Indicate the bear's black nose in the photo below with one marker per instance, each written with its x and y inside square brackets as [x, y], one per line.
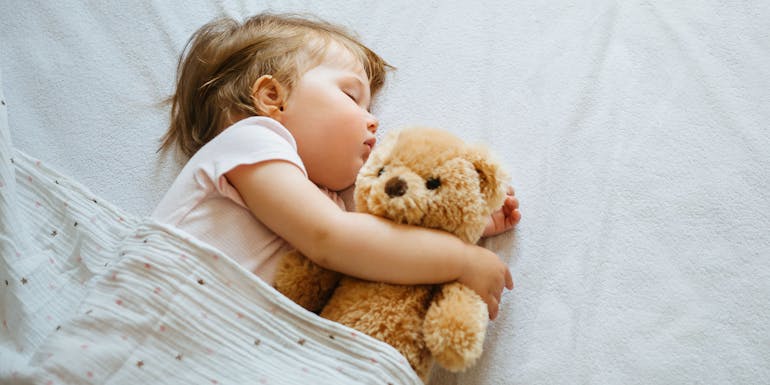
[395, 187]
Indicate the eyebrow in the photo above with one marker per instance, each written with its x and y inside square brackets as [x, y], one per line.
[358, 80]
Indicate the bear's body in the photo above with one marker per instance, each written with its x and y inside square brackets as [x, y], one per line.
[423, 177]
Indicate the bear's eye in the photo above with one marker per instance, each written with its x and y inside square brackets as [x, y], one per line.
[382, 170]
[433, 183]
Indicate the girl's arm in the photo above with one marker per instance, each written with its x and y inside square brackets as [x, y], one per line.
[362, 245]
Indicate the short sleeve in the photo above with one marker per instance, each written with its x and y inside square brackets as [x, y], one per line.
[249, 141]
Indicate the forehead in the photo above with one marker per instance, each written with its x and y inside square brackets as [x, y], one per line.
[334, 54]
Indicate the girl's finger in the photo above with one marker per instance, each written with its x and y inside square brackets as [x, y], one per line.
[494, 307]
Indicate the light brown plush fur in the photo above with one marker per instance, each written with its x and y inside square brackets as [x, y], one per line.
[424, 322]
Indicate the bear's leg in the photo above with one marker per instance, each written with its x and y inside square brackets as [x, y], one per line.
[304, 282]
[390, 313]
[455, 326]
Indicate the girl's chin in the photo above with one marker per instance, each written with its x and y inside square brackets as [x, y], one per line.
[343, 184]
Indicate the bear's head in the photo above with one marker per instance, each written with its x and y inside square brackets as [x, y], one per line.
[428, 177]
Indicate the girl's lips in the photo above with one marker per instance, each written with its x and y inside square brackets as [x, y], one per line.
[369, 145]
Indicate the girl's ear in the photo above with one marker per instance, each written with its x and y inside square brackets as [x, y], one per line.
[267, 96]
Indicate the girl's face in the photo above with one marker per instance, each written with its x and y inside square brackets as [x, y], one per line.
[327, 112]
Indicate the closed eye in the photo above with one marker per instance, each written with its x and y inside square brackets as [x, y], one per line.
[353, 98]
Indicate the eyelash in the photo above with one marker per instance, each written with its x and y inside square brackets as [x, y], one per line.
[351, 97]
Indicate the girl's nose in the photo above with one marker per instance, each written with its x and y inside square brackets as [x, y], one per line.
[372, 124]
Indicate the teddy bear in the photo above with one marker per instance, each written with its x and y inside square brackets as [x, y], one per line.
[424, 177]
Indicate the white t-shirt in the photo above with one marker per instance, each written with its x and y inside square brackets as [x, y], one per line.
[204, 204]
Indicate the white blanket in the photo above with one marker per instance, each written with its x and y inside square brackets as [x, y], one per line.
[95, 295]
[636, 134]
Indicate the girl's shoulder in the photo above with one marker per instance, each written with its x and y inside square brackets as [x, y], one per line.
[248, 141]
[256, 130]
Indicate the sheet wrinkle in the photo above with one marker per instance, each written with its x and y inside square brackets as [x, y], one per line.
[165, 28]
[682, 37]
[587, 97]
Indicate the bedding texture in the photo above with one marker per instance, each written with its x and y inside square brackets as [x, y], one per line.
[635, 132]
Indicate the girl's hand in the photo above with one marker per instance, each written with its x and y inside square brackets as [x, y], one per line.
[505, 218]
[487, 275]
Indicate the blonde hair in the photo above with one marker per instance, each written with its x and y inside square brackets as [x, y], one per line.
[224, 58]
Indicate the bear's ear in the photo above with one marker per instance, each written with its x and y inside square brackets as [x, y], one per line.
[492, 178]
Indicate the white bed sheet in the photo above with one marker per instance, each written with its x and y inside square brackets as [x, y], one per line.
[636, 133]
